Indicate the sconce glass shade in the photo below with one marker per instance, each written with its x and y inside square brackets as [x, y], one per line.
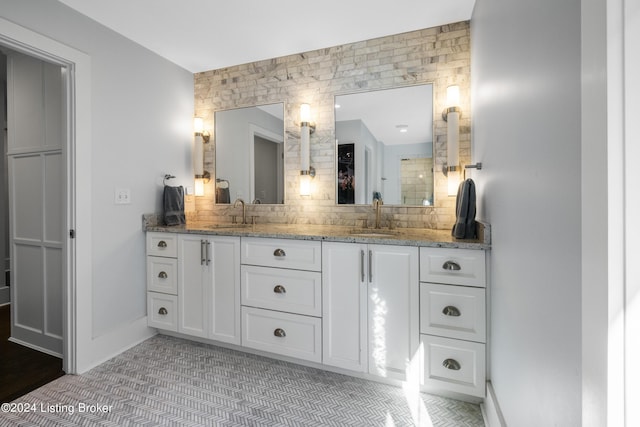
[305, 113]
[305, 185]
[305, 133]
[453, 182]
[199, 187]
[453, 96]
[453, 139]
[198, 147]
[198, 125]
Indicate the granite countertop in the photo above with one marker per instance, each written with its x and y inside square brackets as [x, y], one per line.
[399, 236]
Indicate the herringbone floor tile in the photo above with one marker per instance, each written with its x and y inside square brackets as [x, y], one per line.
[168, 381]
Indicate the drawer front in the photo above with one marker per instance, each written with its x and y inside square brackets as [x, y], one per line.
[453, 365]
[294, 291]
[453, 311]
[282, 333]
[162, 244]
[283, 253]
[162, 311]
[453, 266]
[162, 275]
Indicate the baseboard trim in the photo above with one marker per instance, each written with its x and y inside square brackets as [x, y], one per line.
[491, 409]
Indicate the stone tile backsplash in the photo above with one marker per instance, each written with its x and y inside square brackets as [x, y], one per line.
[439, 55]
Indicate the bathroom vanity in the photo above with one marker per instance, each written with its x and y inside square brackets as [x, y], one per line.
[406, 305]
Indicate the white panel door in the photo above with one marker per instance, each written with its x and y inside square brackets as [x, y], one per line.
[36, 195]
[393, 310]
[344, 305]
[36, 199]
[224, 271]
[192, 285]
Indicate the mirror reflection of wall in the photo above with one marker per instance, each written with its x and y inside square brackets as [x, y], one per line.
[384, 127]
[249, 153]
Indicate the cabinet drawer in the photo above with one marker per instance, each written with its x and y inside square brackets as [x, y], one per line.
[162, 311]
[453, 365]
[282, 333]
[283, 253]
[162, 275]
[162, 244]
[453, 266]
[453, 311]
[293, 291]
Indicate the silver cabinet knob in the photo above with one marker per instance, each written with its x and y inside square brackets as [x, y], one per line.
[279, 289]
[451, 364]
[162, 244]
[162, 275]
[279, 333]
[279, 253]
[451, 266]
[451, 311]
[163, 311]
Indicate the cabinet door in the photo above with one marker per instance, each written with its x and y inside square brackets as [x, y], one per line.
[193, 275]
[224, 267]
[344, 305]
[393, 310]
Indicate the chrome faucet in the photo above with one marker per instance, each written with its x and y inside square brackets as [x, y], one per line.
[244, 209]
[376, 206]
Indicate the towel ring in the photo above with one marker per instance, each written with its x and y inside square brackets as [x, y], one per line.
[166, 178]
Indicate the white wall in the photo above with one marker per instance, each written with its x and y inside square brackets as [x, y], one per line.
[526, 131]
[141, 115]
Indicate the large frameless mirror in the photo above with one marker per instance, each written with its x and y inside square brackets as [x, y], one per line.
[384, 146]
[250, 154]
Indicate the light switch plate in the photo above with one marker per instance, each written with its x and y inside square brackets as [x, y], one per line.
[122, 196]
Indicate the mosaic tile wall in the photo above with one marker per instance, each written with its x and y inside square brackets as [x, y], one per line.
[439, 55]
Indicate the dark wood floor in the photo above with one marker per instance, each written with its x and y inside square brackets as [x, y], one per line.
[22, 369]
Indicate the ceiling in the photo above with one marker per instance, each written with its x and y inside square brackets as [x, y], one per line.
[201, 35]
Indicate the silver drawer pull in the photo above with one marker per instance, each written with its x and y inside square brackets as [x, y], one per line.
[163, 311]
[451, 364]
[162, 244]
[162, 275]
[451, 311]
[451, 266]
[279, 252]
[279, 333]
[279, 289]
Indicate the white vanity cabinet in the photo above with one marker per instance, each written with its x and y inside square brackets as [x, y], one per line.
[162, 281]
[209, 287]
[453, 320]
[282, 297]
[370, 307]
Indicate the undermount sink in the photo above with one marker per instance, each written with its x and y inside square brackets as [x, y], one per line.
[372, 233]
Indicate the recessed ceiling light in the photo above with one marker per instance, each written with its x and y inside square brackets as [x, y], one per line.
[402, 128]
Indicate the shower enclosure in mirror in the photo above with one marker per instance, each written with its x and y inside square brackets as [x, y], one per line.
[250, 154]
[385, 146]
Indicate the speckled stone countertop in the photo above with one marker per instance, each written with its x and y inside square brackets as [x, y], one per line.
[334, 233]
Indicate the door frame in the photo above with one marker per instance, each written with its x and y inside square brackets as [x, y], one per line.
[76, 68]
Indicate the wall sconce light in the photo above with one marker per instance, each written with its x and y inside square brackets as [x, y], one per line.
[201, 137]
[307, 172]
[451, 115]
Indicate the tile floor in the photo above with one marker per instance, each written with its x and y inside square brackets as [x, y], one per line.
[175, 382]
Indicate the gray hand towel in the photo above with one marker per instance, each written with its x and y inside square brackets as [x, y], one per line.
[173, 202]
[465, 226]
